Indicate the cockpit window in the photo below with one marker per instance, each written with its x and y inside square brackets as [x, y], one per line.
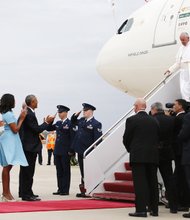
[126, 26]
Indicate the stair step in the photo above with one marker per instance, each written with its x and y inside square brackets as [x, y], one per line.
[114, 195]
[123, 176]
[127, 166]
[119, 186]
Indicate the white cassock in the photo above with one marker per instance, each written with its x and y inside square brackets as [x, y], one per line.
[183, 65]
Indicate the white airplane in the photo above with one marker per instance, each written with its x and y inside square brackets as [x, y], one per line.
[135, 59]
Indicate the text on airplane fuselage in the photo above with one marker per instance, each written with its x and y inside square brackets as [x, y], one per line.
[138, 53]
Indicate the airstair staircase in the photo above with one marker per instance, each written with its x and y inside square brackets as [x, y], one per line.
[119, 189]
[107, 171]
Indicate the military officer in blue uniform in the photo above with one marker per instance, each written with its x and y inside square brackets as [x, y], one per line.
[88, 130]
[62, 151]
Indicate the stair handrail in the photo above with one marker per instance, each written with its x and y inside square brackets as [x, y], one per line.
[166, 79]
[93, 146]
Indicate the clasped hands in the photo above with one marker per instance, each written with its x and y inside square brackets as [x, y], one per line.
[49, 119]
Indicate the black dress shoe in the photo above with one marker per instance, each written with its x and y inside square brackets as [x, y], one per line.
[33, 195]
[186, 215]
[36, 196]
[82, 195]
[63, 193]
[138, 214]
[31, 199]
[154, 213]
[182, 209]
[173, 211]
[56, 193]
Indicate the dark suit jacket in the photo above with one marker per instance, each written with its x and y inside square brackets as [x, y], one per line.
[86, 134]
[177, 144]
[30, 131]
[184, 136]
[64, 136]
[166, 127]
[141, 138]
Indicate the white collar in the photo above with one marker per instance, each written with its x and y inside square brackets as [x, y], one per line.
[31, 109]
[64, 120]
[180, 113]
[140, 111]
[88, 119]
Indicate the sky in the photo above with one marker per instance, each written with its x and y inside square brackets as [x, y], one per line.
[49, 48]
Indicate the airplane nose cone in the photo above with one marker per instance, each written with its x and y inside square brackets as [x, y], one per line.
[110, 63]
[106, 61]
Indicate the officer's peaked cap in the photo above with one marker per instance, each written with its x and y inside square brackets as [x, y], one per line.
[87, 106]
[62, 108]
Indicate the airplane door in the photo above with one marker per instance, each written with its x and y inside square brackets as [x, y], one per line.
[165, 31]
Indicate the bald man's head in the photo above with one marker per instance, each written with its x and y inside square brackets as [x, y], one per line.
[140, 104]
[184, 38]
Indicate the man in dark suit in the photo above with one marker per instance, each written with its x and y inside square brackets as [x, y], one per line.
[166, 154]
[32, 145]
[141, 139]
[184, 136]
[179, 108]
[62, 150]
[88, 131]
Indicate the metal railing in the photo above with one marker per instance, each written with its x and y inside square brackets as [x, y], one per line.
[147, 96]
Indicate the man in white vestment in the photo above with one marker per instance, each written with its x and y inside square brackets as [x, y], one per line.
[182, 65]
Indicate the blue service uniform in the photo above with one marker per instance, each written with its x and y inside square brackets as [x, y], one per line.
[64, 135]
[87, 132]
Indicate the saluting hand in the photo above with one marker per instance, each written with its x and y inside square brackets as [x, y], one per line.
[77, 113]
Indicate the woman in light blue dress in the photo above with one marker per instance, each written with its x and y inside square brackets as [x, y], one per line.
[11, 151]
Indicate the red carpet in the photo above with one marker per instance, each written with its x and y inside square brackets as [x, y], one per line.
[12, 207]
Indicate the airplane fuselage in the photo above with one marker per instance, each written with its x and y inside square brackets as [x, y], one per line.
[135, 59]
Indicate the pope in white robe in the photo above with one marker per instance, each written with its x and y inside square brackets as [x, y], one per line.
[182, 65]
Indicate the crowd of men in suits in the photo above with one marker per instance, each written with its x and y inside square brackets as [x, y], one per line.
[72, 136]
[153, 141]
